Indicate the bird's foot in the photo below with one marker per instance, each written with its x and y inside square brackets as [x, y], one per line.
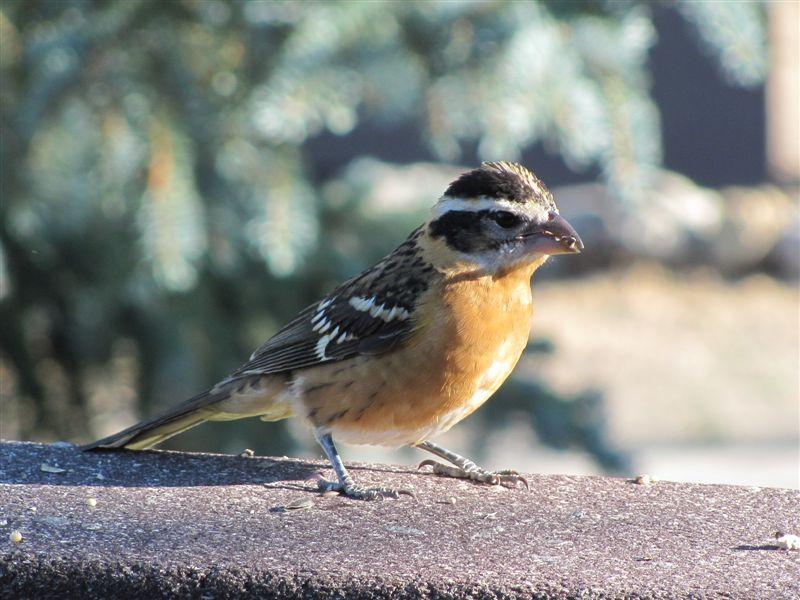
[471, 471]
[358, 492]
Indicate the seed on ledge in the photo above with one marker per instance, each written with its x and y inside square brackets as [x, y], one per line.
[787, 541]
[50, 469]
[300, 504]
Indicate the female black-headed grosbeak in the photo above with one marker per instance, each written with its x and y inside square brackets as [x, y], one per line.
[409, 347]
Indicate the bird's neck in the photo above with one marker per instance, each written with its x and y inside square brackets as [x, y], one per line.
[518, 273]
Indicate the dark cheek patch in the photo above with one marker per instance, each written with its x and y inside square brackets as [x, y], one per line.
[462, 231]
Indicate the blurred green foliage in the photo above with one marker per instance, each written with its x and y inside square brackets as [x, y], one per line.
[158, 219]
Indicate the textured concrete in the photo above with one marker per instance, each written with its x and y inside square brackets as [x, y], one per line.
[170, 524]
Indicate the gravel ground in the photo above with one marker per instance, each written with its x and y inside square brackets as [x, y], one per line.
[175, 525]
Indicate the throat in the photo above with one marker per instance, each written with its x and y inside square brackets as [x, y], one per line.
[522, 270]
[518, 273]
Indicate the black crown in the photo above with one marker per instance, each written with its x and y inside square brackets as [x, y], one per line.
[491, 183]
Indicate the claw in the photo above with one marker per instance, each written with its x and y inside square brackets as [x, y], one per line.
[506, 478]
[513, 477]
[357, 492]
[515, 480]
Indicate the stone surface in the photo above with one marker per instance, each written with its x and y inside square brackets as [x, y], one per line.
[169, 524]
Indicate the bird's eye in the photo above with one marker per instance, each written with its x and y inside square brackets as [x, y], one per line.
[505, 219]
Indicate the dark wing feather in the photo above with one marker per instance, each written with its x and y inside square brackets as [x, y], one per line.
[369, 314]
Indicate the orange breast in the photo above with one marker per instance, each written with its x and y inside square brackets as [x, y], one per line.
[470, 333]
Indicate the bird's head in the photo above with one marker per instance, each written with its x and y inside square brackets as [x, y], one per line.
[499, 217]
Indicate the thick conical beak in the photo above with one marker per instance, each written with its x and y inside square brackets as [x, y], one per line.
[555, 236]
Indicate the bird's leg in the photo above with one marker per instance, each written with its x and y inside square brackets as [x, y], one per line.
[345, 484]
[466, 469]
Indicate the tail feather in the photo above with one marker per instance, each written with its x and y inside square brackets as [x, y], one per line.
[153, 431]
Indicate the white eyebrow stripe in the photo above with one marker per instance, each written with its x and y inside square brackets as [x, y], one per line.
[447, 204]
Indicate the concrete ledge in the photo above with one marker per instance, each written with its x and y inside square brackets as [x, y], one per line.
[169, 524]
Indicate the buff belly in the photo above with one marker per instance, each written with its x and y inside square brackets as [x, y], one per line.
[464, 350]
[396, 415]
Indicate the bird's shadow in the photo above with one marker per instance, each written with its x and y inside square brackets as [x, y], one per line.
[761, 547]
[68, 465]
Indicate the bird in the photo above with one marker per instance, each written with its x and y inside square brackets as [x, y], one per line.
[409, 347]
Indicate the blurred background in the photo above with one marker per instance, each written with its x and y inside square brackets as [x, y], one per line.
[178, 178]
